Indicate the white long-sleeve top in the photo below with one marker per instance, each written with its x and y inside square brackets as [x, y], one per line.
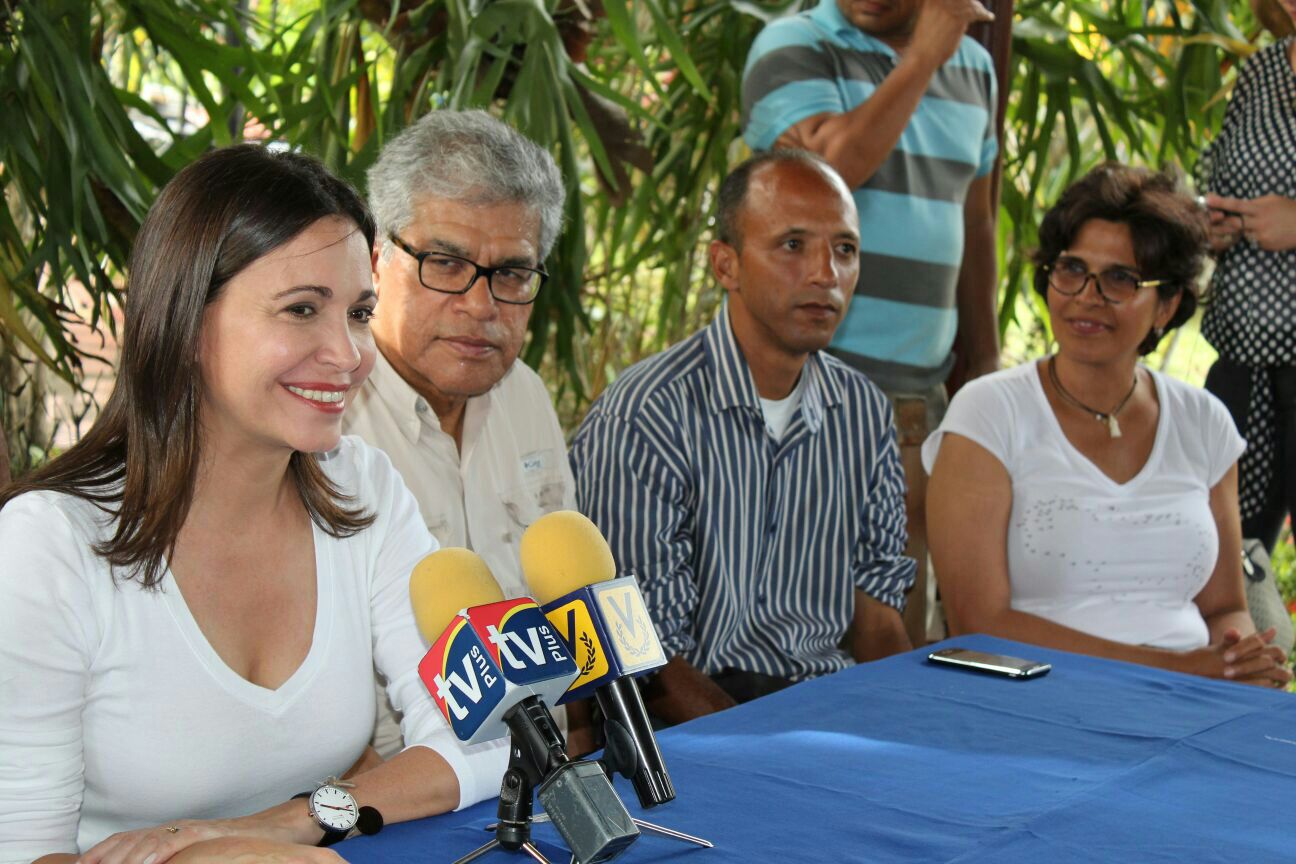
[116, 713]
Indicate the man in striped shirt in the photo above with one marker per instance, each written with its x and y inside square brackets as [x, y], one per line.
[902, 103]
[750, 481]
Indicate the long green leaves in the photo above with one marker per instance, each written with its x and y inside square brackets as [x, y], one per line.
[638, 100]
[1135, 82]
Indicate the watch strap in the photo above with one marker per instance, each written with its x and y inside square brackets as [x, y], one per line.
[331, 836]
[370, 822]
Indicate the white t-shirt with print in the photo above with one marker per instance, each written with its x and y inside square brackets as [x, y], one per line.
[1122, 561]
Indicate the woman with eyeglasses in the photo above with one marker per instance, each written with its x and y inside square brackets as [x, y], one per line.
[1083, 501]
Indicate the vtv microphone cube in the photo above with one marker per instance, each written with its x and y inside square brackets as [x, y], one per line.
[466, 683]
[607, 628]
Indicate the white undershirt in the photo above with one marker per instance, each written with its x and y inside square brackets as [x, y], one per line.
[779, 412]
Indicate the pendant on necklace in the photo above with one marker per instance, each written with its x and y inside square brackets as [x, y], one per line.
[1113, 426]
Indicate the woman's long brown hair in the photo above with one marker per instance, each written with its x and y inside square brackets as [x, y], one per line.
[139, 461]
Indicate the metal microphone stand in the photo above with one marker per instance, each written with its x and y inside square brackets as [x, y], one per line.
[620, 756]
[513, 830]
[589, 816]
[612, 762]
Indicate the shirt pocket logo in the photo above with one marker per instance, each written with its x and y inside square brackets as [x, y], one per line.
[529, 501]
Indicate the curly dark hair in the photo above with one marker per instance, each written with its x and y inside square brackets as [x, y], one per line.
[1167, 226]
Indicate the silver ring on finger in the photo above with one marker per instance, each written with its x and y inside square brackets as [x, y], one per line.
[172, 829]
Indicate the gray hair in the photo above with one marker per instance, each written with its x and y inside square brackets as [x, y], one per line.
[466, 156]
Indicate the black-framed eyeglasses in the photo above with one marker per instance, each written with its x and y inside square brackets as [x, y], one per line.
[451, 274]
[1069, 275]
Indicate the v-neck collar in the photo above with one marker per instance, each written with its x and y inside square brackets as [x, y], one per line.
[278, 700]
[1154, 457]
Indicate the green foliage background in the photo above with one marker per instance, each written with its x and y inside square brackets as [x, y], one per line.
[82, 82]
[104, 100]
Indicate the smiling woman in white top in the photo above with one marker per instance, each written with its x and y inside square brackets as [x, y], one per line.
[1083, 501]
[197, 593]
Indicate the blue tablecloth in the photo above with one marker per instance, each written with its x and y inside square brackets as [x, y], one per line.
[904, 761]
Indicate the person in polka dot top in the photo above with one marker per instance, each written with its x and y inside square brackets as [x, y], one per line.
[1250, 174]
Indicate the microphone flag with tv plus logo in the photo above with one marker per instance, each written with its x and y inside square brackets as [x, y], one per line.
[488, 659]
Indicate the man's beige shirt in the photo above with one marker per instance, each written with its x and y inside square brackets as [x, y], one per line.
[513, 469]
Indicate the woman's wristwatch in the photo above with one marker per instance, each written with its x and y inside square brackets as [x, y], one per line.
[335, 810]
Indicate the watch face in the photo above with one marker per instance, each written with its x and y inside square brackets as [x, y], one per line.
[334, 808]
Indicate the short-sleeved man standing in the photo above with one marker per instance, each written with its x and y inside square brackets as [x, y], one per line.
[751, 481]
[902, 104]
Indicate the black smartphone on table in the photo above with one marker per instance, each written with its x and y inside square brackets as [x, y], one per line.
[992, 664]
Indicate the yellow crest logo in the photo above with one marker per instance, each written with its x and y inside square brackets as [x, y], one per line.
[574, 624]
[628, 626]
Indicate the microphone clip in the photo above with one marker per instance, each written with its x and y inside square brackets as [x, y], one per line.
[577, 796]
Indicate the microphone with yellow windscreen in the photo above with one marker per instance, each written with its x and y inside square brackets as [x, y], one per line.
[604, 622]
[445, 582]
[494, 668]
[562, 552]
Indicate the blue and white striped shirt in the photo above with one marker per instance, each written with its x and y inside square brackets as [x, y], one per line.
[903, 317]
[748, 550]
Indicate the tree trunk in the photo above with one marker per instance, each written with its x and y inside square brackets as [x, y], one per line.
[24, 420]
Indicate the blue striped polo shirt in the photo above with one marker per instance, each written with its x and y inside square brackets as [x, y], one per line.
[748, 549]
[901, 323]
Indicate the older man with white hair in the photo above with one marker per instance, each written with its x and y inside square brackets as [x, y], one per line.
[467, 210]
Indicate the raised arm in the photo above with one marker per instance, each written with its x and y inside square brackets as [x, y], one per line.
[856, 142]
[978, 319]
